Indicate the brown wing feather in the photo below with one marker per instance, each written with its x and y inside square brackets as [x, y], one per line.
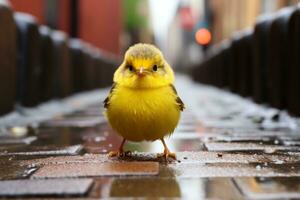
[178, 100]
[106, 100]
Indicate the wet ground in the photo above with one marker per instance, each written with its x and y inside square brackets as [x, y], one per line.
[227, 148]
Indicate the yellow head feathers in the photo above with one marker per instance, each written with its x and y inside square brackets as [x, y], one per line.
[144, 67]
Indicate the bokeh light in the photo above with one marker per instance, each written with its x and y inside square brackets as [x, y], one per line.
[203, 36]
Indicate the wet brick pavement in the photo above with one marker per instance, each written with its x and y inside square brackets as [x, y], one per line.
[227, 148]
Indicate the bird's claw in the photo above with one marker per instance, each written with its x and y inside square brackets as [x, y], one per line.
[119, 154]
[166, 155]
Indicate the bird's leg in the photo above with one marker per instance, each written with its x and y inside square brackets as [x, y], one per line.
[167, 152]
[118, 153]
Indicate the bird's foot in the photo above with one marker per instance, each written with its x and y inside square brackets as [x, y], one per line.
[119, 154]
[167, 154]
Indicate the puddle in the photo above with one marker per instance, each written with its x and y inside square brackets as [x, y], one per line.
[155, 187]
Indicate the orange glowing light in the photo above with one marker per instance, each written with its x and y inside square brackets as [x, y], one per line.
[203, 36]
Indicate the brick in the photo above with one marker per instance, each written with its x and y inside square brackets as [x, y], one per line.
[245, 132]
[42, 151]
[142, 187]
[200, 157]
[12, 140]
[10, 169]
[74, 122]
[213, 188]
[269, 188]
[292, 143]
[95, 169]
[186, 128]
[244, 138]
[86, 158]
[186, 135]
[227, 157]
[236, 146]
[230, 124]
[57, 187]
[193, 170]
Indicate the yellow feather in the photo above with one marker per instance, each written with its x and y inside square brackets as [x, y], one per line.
[143, 105]
[143, 114]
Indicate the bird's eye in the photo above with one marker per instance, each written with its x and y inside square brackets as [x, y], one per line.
[154, 67]
[130, 67]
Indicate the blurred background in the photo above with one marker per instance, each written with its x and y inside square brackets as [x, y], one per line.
[114, 25]
[54, 48]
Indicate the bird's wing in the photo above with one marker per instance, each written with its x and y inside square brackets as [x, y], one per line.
[178, 100]
[107, 99]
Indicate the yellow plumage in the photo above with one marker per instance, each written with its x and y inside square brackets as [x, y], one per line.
[143, 103]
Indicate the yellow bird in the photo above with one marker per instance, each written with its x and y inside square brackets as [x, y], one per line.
[143, 103]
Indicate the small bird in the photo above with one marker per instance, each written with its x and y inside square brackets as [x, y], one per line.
[143, 103]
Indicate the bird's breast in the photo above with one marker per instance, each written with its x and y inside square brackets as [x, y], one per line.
[143, 114]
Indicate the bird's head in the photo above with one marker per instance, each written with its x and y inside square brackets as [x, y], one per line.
[144, 67]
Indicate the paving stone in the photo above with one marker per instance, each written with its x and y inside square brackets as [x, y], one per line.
[269, 188]
[247, 132]
[42, 151]
[91, 158]
[96, 112]
[256, 137]
[74, 122]
[239, 138]
[234, 170]
[238, 123]
[187, 135]
[186, 128]
[292, 143]
[13, 140]
[93, 169]
[186, 144]
[227, 157]
[232, 136]
[197, 158]
[244, 136]
[236, 146]
[218, 188]
[65, 136]
[47, 187]
[144, 187]
[13, 170]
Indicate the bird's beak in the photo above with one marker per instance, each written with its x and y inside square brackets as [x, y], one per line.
[141, 72]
